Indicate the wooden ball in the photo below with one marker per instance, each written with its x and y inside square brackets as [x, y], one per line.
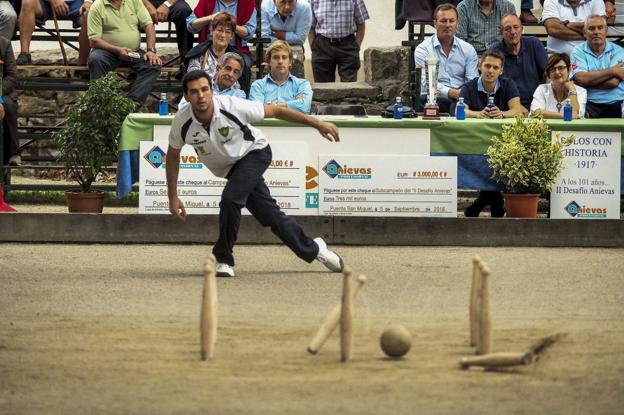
[395, 341]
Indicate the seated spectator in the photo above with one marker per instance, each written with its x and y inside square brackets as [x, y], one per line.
[506, 105]
[41, 10]
[457, 59]
[526, 15]
[8, 106]
[288, 20]
[175, 11]
[8, 19]
[335, 38]
[225, 81]
[549, 98]
[116, 40]
[206, 55]
[479, 21]
[598, 65]
[280, 87]
[525, 58]
[564, 19]
[244, 12]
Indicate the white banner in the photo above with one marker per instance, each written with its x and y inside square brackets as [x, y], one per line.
[201, 191]
[589, 185]
[387, 185]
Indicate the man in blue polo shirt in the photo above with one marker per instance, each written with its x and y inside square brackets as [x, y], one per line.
[280, 87]
[476, 94]
[525, 58]
[598, 65]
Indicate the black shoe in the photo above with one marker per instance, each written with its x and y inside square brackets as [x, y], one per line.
[477, 206]
[497, 205]
[23, 59]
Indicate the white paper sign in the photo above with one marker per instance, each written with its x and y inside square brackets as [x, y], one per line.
[589, 185]
[200, 190]
[387, 185]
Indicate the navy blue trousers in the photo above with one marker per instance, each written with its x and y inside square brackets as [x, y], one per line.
[246, 188]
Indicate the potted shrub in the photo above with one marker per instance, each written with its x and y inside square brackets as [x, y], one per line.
[88, 141]
[526, 161]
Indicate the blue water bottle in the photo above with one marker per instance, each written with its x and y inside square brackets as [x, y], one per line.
[163, 105]
[567, 110]
[622, 109]
[460, 109]
[490, 103]
[398, 109]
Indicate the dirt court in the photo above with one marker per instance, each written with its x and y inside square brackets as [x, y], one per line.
[113, 329]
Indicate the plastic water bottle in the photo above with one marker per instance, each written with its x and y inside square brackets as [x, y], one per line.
[460, 109]
[567, 110]
[490, 103]
[398, 109]
[622, 109]
[163, 105]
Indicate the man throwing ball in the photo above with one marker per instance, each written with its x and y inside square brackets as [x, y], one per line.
[220, 130]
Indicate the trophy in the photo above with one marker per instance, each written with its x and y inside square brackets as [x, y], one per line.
[432, 110]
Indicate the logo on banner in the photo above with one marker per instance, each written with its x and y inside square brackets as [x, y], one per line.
[576, 210]
[155, 156]
[334, 170]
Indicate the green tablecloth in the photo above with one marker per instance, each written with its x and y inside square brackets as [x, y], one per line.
[447, 135]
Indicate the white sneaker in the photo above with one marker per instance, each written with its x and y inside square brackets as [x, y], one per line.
[330, 259]
[224, 270]
[15, 160]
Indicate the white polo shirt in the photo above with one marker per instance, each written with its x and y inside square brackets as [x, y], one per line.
[562, 11]
[222, 143]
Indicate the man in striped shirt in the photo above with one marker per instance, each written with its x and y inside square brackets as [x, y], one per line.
[335, 38]
[479, 21]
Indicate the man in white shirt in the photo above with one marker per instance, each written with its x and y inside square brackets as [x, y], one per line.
[564, 20]
[219, 129]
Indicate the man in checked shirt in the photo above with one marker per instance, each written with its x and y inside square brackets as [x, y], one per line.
[335, 38]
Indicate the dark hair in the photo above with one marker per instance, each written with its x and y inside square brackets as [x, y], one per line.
[495, 54]
[444, 7]
[194, 76]
[553, 60]
[224, 19]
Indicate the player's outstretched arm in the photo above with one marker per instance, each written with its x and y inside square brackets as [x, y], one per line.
[327, 130]
[172, 168]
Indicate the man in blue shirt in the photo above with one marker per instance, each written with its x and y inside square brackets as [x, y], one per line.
[476, 94]
[525, 58]
[288, 20]
[598, 65]
[457, 60]
[280, 87]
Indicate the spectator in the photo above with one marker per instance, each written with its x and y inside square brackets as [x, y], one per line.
[479, 21]
[175, 11]
[457, 59]
[115, 39]
[526, 15]
[229, 70]
[615, 14]
[280, 87]
[549, 98]
[506, 105]
[205, 56]
[288, 20]
[335, 38]
[42, 10]
[243, 10]
[8, 19]
[598, 65]
[8, 106]
[525, 58]
[563, 20]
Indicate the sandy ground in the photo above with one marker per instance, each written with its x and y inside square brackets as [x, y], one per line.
[114, 330]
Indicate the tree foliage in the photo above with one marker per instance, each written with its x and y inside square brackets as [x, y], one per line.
[525, 159]
[88, 141]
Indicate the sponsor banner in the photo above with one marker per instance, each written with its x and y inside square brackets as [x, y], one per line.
[200, 190]
[387, 185]
[589, 185]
